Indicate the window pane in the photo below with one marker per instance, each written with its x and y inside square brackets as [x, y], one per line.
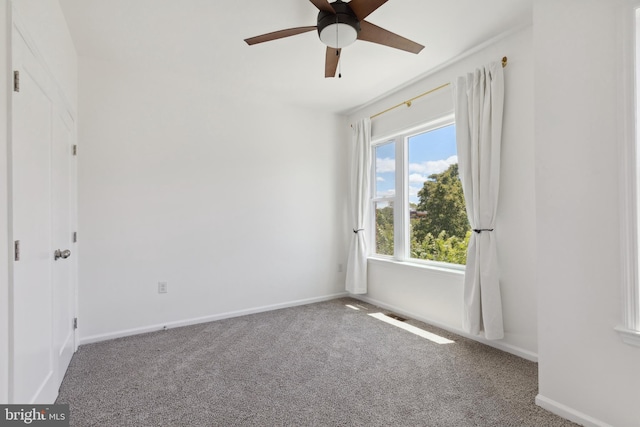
[386, 170]
[439, 228]
[384, 228]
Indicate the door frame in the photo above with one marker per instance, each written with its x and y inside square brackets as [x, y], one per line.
[5, 200]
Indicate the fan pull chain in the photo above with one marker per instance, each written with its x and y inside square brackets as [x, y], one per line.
[338, 50]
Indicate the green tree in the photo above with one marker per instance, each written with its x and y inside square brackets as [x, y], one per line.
[384, 230]
[443, 248]
[442, 199]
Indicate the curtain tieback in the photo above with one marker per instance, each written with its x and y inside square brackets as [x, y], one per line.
[480, 230]
[358, 230]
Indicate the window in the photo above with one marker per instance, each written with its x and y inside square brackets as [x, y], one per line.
[384, 197]
[418, 206]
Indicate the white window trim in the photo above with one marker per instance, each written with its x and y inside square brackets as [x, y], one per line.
[442, 268]
[629, 164]
[400, 200]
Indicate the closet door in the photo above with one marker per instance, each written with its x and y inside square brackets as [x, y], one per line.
[43, 294]
[62, 240]
[33, 371]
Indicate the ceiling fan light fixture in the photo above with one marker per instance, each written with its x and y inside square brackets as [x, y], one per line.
[338, 29]
[338, 35]
[339, 26]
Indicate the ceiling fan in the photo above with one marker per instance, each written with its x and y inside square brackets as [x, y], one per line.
[339, 25]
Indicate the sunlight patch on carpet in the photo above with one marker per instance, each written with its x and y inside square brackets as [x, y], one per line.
[410, 328]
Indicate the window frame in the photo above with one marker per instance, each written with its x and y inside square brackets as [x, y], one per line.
[401, 240]
[629, 167]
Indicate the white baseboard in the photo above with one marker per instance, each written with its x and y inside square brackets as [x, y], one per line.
[205, 319]
[568, 413]
[509, 348]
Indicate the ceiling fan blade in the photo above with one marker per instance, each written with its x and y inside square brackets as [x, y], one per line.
[373, 33]
[331, 61]
[363, 8]
[323, 5]
[278, 35]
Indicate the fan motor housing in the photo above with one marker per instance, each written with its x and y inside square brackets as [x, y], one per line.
[344, 15]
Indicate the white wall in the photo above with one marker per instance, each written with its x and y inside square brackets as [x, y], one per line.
[236, 202]
[436, 296]
[585, 370]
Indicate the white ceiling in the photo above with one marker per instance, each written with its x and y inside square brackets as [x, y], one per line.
[207, 36]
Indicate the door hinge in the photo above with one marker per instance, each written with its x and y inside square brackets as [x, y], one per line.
[75, 323]
[75, 150]
[75, 237]
[16, 81]
[16, 250]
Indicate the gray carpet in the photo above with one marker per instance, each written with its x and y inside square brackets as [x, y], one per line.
[322, 364]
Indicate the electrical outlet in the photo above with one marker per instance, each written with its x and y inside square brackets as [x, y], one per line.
[162, 287]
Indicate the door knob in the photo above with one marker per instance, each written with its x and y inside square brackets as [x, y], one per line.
[61, 254]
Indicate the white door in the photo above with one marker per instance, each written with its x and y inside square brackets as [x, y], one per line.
[42, 294]
[62, 239]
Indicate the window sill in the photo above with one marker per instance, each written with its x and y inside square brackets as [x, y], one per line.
[629, 336]
[438, 269]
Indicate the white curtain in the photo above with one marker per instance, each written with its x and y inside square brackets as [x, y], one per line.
[479, 100]
[360, 177]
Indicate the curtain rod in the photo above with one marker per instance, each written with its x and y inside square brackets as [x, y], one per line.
[409, 101]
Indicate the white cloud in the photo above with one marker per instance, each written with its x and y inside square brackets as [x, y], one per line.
[417, 178]
[413, 191]
[432, 166]
[380, 179]
[385, 165]
[386, 193]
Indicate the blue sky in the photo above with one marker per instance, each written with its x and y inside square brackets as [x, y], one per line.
[429, 153]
